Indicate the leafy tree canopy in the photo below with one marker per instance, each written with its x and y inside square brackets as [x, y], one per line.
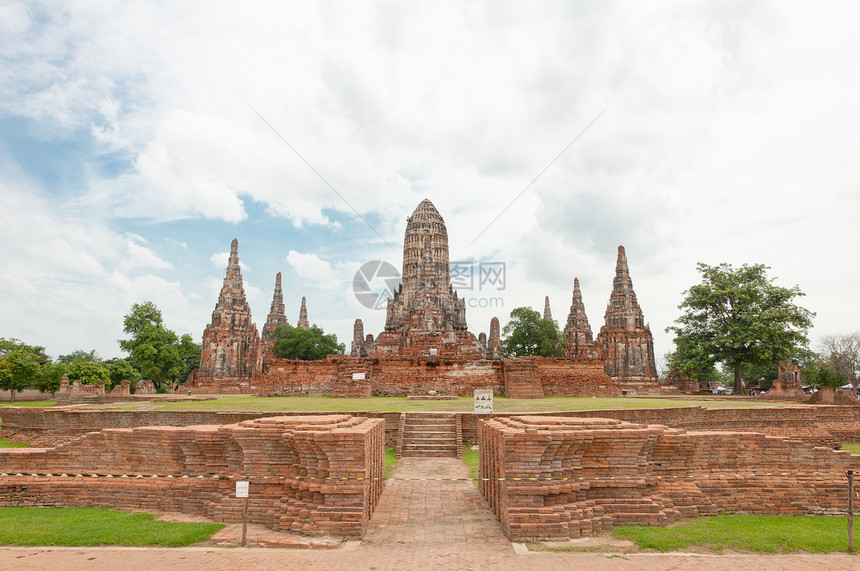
[121, 370]
[20, 365]
[738, 316]
[88, 373]
[307, 344]
[49, 377]
[157, 352]
[79, 356]
[842, 354]
[527, 333]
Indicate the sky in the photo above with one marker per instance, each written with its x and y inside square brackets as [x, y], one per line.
[137, 139]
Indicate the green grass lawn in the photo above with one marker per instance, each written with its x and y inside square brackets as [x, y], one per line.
[390, 461]
[470, 459]
[91, 527]
[461, 404]
[4, 443]
[31, 403]
[759, 534]
[853, 448]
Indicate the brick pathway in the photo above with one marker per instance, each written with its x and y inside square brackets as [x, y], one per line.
[433, 512]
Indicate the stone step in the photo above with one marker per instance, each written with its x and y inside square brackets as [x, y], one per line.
[429, 444]
[430, 429]
[426, 454]
[429, 435]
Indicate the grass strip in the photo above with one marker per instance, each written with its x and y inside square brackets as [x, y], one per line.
[470, 459]
[390, 461]
[96, 526]
[745, 533]
[4, 443]
[851, 447]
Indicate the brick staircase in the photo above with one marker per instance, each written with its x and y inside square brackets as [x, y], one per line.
[430, 434]
[522, 379]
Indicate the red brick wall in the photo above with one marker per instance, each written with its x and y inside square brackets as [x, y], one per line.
[54, 426]
[387, 377]
[287, 459]
[822, 426]
[561, 477]
[392, 376]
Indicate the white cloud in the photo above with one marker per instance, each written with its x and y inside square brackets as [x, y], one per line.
[729, 135]
[310, 266]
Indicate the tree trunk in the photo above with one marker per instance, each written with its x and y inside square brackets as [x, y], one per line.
[739, 383]
[11, 395]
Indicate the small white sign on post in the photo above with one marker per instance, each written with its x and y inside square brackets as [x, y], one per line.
[483, 401]
[358, 376]
[242, 489]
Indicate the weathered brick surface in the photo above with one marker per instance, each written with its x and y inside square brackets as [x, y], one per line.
[532, 376]
[385, 377]
[286, 458]
[561, 477]
[52, 426]
[821, 426]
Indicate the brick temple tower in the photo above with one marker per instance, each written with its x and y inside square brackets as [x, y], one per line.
[231, 344]
[578, 340]
[303, 322]
[625, 337]
[425, 317]
[277, 316]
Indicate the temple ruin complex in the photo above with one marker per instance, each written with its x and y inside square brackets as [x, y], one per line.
[426, 344]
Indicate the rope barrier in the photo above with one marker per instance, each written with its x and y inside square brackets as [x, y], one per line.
[420, 479]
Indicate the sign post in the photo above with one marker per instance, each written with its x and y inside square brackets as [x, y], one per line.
[242, 489]
[483, 401]
[851, 510]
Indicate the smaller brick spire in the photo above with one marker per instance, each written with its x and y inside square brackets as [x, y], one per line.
[303, 315]
[358, 340]
[494, 342]
[277, 312]
[578, 339]
[547, 313]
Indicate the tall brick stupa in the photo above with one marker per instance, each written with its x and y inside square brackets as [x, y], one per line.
[231, 344]
[625, 337]
[426, 317]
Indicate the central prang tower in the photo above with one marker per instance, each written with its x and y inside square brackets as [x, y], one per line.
[425, 318]
[425, 301]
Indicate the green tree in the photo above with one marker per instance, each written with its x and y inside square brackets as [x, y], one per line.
[154, 350]
[189, 352]
[49, 378]
[822, 373]
[20, 365]
[842, 352]
[121, 370]
[738, 316]
[79, 356]
[307, 344]
[88, 373]
[527, 333]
